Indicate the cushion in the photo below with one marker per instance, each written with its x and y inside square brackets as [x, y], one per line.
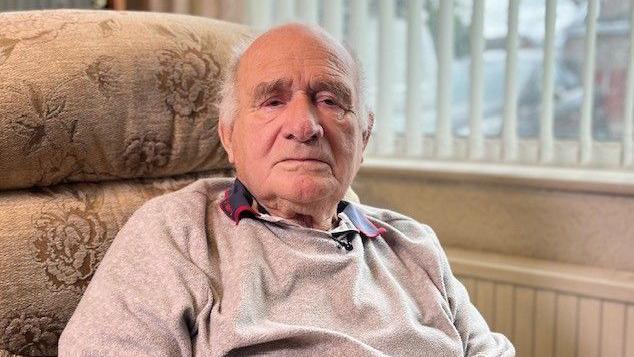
[100, 95]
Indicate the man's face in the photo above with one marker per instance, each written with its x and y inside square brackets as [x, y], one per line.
[296, 135]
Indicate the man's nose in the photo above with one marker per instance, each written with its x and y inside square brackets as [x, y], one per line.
[302, 123]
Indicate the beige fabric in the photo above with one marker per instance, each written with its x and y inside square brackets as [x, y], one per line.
[93, 95]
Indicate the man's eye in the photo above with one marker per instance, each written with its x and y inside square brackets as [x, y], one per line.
[329, 102]
[273, 102]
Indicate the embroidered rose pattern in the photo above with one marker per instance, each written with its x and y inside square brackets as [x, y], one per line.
[102, 71]
[144, 155]
[30, 334]
[185, 79]
[188, 77]
[70, 241]
[49, 133]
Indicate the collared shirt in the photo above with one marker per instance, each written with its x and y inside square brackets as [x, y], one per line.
[239, 203]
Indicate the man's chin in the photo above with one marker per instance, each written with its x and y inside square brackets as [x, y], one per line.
[310, 189]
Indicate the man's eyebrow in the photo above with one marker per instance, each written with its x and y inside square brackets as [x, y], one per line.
[264, 89]
[339, 89]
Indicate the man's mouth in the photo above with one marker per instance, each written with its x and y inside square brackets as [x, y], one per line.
[303, 161]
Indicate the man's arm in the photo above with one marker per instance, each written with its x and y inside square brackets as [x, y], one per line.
[146, 294]
[477, 338]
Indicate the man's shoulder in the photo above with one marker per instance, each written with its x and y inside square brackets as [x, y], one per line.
[176, 217]
[383, 214]
[177, 210]
[392, 220]
[195, 196]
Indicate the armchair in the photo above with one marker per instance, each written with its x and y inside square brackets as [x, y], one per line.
[99, 111]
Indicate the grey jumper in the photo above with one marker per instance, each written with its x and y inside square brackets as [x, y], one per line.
[182, 278]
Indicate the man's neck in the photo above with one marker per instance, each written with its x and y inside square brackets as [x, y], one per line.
[310, 216]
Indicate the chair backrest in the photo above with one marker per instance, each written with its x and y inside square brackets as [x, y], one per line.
[99, 111]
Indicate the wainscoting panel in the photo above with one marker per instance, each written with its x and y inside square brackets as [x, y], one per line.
[550, 309]
[545, 302]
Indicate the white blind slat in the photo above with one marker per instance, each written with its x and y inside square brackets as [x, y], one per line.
[510, 98]
[333, 17]
[358, 34]
[585, 134]
[259, 14]
[414, 131]
[628, 120]
[546, 138]
[476, 137]
[284, 11]
[385, 141]
[307, 11]
[444, 142]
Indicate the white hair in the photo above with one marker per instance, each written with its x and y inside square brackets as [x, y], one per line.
[228, 105]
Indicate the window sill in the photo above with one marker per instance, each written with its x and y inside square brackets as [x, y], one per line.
[552, 178]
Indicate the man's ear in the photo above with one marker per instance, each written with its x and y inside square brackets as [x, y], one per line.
[368, 130]
[225, 130]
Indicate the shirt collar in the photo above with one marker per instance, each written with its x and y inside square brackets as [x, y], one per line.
[238, 203]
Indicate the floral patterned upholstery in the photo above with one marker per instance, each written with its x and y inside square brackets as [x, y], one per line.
[99, 111]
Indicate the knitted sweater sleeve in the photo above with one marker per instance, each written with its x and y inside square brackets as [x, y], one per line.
[477, 339]
[147, 292]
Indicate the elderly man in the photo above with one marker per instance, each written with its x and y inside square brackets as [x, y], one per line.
[275, 261]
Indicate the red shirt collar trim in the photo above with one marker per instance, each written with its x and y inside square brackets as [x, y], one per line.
[238, 203]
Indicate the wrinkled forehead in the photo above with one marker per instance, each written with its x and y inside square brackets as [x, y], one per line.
[297, 54]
